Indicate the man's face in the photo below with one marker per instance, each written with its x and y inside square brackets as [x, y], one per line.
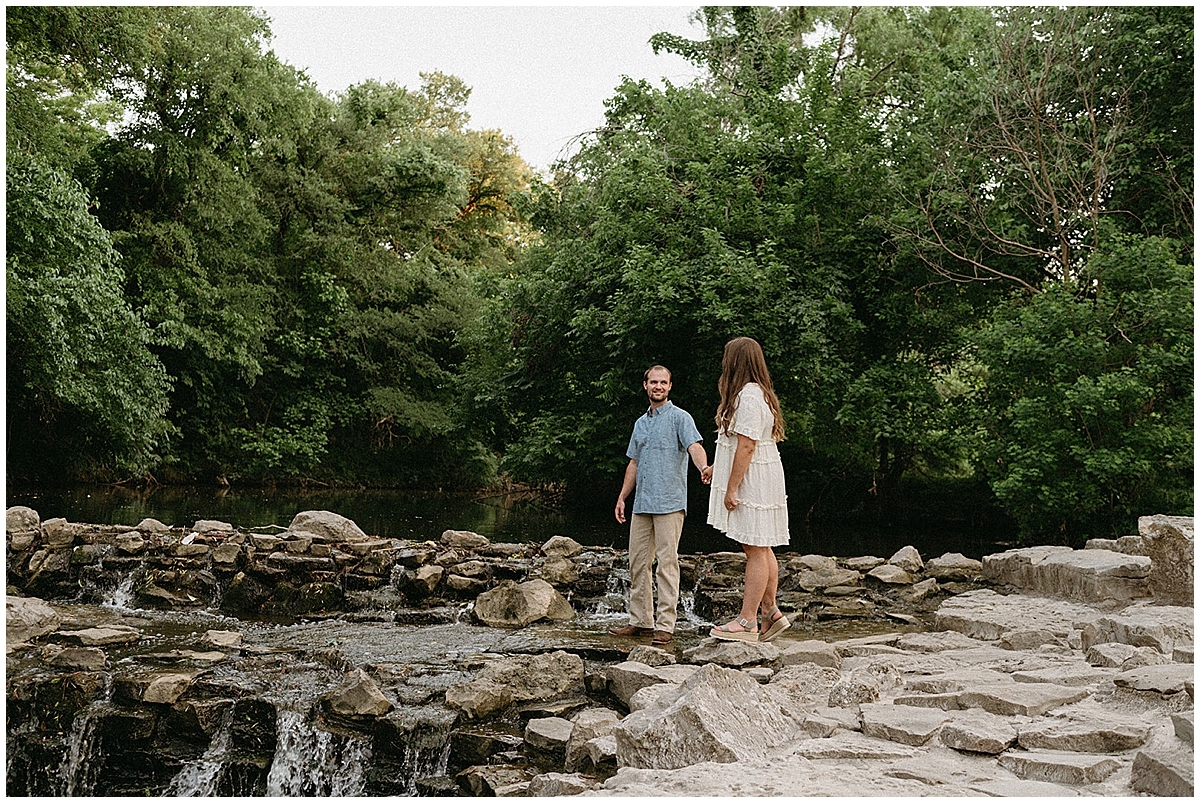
[657, 386]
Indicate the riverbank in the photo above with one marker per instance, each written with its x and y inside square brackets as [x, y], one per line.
[314, 660]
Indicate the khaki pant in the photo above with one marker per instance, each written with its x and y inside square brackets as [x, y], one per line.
[653, 536]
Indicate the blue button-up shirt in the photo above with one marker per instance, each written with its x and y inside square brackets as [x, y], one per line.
[659, 445]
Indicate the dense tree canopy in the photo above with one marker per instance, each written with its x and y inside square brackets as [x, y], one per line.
[962, 235]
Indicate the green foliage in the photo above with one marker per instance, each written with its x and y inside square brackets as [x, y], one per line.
[82, 383]
[1087, 410]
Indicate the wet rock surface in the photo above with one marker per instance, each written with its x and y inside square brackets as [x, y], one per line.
[318, 661]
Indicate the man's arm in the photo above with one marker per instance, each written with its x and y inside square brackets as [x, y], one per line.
[626, 489]
[700, 460]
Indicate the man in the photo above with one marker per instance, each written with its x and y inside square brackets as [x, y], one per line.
[663, 438]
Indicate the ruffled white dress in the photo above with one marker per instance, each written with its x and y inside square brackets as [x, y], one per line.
[761, 517]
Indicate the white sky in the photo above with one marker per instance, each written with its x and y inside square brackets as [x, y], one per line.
[540, 74]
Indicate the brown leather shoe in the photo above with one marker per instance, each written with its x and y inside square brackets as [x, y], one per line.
[630, 630]
[661, 637]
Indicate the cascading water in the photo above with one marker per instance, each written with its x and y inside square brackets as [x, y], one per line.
[199, 778]
[616, 592]
[122, 595]
[316, 763]
[78, 772]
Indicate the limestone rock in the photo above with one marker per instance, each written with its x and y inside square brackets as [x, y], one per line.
[88, 659]
[513, 605]
[330, 527]
[843, 746]
[1164, 773]
[908, 559]
[731, 653]
[1067, 768]
[901, 723]
[984, 614]
[651, 656]
[826, 577]
[1099, 733]
[464, 539]
[936, 642]
[810, 652]
[1025, 699]
[626, 678]
[977, 731]
[587, 725]
[58, 533]
[102, 636]
[953, 566]
[224, 639]
[891, 574]
[559, 571]
[557, 784]
[562, 546]
[212, 526]
[1090, 575]
[149, 525]
[1157, 626]
[357, 696]
[1170, 545]
[21, 519]
[801, 688]
[548, 734]
[27, 618]
[154, 687]
[1165, 679]
[518, 679]
[1185, 726]
[717, 714]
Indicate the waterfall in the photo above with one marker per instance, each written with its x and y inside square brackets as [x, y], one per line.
[417, 763]
[199, 778]
[77, 773]
[616, 594]
[121, 596]
[315, 763]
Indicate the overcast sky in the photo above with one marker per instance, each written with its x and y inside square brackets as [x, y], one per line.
[540, 74]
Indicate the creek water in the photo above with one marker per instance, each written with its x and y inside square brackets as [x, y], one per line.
[518, 517]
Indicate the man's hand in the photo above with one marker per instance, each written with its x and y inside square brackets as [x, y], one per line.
[706, 475]
[620, 511]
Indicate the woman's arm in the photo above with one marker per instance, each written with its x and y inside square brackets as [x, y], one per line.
[741, 464]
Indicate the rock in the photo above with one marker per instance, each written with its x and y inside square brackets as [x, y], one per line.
[210, 526]
[1185, 726]
[1024, 699]
[801, 688]
[1170, 545]
[811, 563]
[102, 636]
[27, 618]
[892, 575]
[513, 605]
[843, 746]
[1104, 732]
[226, 556]
[559, 571]
[519, 679]
[924, 589]
[1089, 575]
[826, 577]
[587, 725]
[863, 564]
[908, 559]
[1111, 653]
[984, 614]
[731, 653]
[1066, 674]
[224, 639]
[463, 539]
[1066, 768]
[1157, 626]
[154, 687]
[21, 519]
[546, 740]
[936, 642]
[88, 659]
[901, 723]
[1029, 640]
[330, 527]
[651, 656]
[602, 751]
[426, 579]
[1164, 680]
[149, 525]
[953, 566]
[557, 784]
[562, 546]
[357, 696]
[628, 677]
[1164, 774]
[978, 732]
[717, 714]
[494, 780]
[810, 652]
[863, 685]
[58, 533]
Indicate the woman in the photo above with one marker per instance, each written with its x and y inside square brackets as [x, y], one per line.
[748, 501]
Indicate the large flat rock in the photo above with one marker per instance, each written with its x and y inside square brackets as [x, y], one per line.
[1088, 575]
[985, 614]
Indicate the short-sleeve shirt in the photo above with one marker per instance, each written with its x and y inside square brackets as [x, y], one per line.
[659, 445]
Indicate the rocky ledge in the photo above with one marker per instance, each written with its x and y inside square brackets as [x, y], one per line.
[1038, 671]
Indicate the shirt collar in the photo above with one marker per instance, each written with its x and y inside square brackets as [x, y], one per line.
[650, 410]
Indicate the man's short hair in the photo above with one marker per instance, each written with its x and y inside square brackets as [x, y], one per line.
[646, 376]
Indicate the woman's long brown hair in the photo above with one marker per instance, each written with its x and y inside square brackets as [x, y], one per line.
[744, 363]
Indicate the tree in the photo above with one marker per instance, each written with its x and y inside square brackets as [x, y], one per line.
[84, 390]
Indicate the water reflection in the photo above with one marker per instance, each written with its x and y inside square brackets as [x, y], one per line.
[504, 518]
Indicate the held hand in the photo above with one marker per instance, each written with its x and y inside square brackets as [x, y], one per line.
[620, 511]
[731, 500]
[706, 475]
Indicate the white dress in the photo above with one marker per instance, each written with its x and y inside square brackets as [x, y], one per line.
[761, 517]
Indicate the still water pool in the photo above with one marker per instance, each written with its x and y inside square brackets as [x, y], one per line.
[520, 517]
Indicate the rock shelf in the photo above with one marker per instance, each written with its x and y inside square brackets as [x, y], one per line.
[176, 660]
